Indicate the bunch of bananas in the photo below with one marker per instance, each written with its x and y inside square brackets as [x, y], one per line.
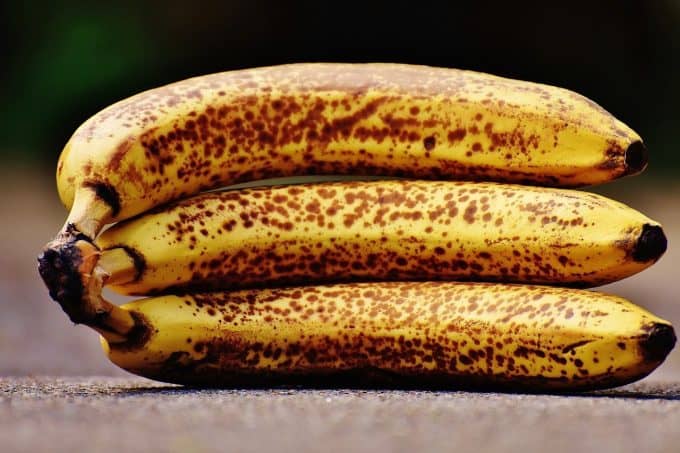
[447, 275]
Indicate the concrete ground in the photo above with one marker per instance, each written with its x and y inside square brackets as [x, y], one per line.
[105, 414]
[59, 393]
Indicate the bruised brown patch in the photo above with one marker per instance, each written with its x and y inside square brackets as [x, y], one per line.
[120, 153]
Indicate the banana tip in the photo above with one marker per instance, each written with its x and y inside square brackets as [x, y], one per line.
[651, 244]
[636, 158]
[658, 342]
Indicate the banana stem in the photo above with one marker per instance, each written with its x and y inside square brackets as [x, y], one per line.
[118, 266]
[89, 213]
[111, 321]
[70, 266]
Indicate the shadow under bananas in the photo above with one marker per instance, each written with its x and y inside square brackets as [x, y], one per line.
[183, 391]
[641, 391]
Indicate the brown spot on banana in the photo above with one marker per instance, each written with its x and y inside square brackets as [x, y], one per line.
[383, 230]
[106, 194]
[441, 334]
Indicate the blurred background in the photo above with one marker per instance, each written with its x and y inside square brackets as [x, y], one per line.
[64, 61]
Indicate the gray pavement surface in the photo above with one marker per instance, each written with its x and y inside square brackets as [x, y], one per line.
[103, 414]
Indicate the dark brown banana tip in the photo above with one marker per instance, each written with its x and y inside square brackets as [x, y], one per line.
[59, 266]
[659, 341]
[650, 245]
[636, 158]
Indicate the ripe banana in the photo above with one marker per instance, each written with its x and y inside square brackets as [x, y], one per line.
[382, 119]
[455, 335]
[381, 230]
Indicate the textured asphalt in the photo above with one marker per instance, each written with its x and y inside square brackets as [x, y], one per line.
[101, 414]
[93, 406]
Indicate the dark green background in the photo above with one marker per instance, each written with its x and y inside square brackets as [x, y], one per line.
[66, 60]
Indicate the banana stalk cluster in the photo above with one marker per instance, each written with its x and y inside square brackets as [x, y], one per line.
[465, 268]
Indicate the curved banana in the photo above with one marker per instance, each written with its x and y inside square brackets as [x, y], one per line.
[383, 119]
[382, 230]
[446, 334]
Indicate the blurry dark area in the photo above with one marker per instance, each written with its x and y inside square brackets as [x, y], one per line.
[66, 60]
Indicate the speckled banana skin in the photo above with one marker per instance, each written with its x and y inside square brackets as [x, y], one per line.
[425, 333]
[380, 230]
[379, 119]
